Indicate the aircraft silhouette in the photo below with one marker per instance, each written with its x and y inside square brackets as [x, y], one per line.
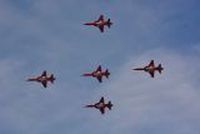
[151, 68]
[43, 79]
[98, 74]
[101, 105]
[100, 23]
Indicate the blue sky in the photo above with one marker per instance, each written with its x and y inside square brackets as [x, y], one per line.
[49, 34]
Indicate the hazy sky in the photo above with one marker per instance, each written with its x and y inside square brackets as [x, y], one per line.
[37, 35]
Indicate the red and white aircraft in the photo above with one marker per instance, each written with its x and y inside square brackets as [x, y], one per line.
[151, 68]
[101, 105]
[98, 73]
[100, 23]
[43, 79]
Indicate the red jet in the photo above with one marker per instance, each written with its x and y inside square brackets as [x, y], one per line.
[101, 105]
[43, 79]
[100, 23]
[151, 68]
[98, 73]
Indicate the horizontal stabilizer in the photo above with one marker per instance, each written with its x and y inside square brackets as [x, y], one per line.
[107, 73]
[52, 78]
[109, 105]
[109, 23]
[160, 68]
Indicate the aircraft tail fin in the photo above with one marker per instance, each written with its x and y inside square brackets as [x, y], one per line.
[109, 105]
[160, 68]
[109, 23]
[52, 78]
[107, 73]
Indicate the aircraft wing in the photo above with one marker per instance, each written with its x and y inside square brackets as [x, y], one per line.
[151, 63]
[99, 68]
[99, 79]
[152, 74]
[44, 83]
[102, 100]
[101, 28]
[102, 110]
[44, 73]
[101, 18]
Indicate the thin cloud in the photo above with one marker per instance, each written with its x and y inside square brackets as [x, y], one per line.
[170, 101]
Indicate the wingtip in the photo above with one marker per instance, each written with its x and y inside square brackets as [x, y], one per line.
[101, 15]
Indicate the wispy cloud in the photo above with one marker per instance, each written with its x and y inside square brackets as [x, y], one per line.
[166, 104]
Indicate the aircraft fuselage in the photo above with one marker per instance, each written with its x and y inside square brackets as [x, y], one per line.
[41, 79]
[97, 23]
[100, 105]
[101, 23]
[150, 69]
[98, 74]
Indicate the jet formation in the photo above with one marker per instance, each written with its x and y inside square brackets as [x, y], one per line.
[98, 74]
[100, 23]
[101, 105]
[151, 68]
[43, 79]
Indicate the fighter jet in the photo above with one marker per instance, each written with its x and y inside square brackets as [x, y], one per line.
[98, 73]
[101, 105]
[100, 23]
[43, 79]
[151, 68]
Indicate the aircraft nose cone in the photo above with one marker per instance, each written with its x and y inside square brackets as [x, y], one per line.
[138, 69]
[84, 75]
[86, 24]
